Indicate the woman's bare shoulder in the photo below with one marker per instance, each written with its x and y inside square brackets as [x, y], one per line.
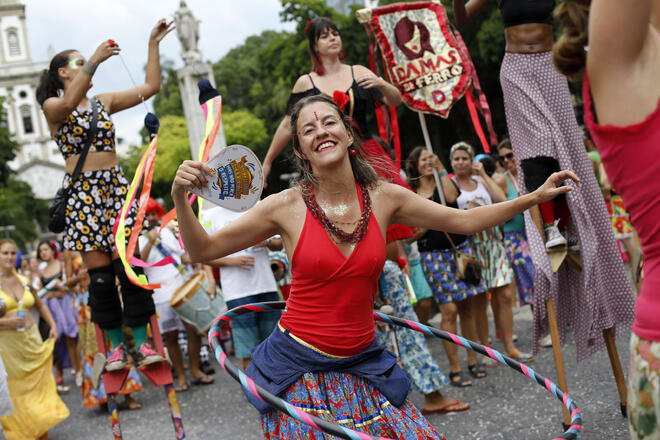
[287, 199]
[302, 84]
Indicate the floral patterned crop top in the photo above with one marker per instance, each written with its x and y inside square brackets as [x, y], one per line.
[72, 135]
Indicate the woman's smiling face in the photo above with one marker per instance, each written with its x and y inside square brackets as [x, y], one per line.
[322, 135]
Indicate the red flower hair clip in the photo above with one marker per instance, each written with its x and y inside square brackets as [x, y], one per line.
[341, 99]
[307, 25]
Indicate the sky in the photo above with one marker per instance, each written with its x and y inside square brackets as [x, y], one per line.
[84, 24]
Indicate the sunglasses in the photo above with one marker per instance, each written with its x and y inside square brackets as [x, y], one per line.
[507, 156]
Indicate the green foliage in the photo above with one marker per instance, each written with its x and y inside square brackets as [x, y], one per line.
[257, 76]
[21, 208]
[244, 128]
[8, 147]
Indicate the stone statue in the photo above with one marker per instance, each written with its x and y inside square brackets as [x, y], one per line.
[187, 29]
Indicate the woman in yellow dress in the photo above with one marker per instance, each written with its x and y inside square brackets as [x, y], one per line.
[28, 360]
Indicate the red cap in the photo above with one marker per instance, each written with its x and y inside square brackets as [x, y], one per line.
[112, 43]
[152, 206]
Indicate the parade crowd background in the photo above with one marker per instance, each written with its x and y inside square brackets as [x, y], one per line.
[252, 111]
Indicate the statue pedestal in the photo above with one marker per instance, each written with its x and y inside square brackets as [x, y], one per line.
[188, 76]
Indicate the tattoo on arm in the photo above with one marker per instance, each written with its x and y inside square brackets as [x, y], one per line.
[89, 68]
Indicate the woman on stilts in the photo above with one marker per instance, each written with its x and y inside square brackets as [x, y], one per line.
[545, 138]
[322, 356]
[100, 190]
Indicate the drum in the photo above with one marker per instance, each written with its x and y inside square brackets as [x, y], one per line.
[193, 305]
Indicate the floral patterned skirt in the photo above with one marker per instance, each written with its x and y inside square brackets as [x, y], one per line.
[441, 274]
[644, 389]
[348, 401]
[518, 250]
[416, 361]
[620, 218]
[93, 208]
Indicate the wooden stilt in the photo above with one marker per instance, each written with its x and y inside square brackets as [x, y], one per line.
[556, 351]
[613, 353]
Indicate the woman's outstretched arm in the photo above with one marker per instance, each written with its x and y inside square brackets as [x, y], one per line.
[118, 101]
[57, 108]
[464, 12]
[413, 210]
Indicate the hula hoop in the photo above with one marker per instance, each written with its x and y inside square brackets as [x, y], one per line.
[330, 428]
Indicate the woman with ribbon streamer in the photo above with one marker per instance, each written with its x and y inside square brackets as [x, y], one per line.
[355, 89]
[322, 356]
[100, 191]
[621, 77]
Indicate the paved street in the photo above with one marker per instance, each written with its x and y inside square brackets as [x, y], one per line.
[505, 405]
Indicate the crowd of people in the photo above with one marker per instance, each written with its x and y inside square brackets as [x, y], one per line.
[354, 233]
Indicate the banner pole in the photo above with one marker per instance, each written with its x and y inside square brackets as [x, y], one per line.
[427, 141]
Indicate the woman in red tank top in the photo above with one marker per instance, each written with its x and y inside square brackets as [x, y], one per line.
[333, 225]
[623, 62]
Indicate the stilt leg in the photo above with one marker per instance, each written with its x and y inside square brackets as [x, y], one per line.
[556, 351]
[613, 353]
[114, 417]
[175, 412]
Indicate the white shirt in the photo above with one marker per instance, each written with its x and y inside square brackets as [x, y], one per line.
[472, 199]
[238, 282]
[168, 276]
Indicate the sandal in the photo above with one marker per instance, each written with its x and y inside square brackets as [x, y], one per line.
[129, 404]
[523, 357]
[477, 371]
[204, 380]
[181, 388]
[459, 380]
[455, 406]
[489, 362]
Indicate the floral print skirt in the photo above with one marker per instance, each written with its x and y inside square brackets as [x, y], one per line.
[93, 207]
[644, 389]
[350, 402]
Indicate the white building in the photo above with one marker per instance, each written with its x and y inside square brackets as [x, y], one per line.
[38, 162]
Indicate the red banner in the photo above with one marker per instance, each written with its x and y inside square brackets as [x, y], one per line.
[424, 59]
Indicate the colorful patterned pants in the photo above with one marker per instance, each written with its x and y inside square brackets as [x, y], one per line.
[644, 389]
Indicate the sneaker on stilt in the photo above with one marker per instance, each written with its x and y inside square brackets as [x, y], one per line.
[546, 341]
[553, 237]
[117, 359]
[147, 356]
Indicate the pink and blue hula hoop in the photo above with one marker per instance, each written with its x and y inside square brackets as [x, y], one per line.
[330, 428]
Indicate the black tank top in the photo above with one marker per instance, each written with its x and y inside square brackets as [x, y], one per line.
[515, 12]
[358, 107]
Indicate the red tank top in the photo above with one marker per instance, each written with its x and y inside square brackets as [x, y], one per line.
[630, 157]
[330, 304]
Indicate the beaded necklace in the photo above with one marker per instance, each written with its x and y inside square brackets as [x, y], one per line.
[343, 236]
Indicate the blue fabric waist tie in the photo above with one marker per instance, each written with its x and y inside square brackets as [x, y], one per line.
[279, 361]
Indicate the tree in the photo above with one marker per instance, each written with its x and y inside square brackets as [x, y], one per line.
[21, 208]
[8, 147]
[244, 128]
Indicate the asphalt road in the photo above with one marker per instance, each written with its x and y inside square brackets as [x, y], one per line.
[504, 405]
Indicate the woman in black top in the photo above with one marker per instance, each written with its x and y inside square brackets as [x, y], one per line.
[438, 261]
[355, 89]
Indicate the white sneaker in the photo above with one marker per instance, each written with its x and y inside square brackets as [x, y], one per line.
[553, 237]
[79, 379]
[546, 341]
